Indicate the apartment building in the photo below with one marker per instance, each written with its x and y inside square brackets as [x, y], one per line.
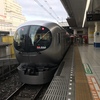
[10, 15]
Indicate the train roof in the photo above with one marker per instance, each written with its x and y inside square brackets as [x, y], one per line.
[38, 22]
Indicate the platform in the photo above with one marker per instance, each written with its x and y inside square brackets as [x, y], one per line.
[58, 89]
[78, 76]
[91, 61]
[4, 49]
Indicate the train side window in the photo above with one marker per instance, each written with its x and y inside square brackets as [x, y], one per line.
[58, 38]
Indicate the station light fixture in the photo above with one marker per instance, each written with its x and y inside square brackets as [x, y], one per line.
[86, 9]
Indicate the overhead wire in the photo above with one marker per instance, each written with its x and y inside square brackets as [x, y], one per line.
[45, 9]
[51, 9]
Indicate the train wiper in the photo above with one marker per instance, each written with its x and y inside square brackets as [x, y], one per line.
[21, 50]
[38, 52]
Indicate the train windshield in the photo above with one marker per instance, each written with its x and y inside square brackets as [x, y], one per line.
[32, 38]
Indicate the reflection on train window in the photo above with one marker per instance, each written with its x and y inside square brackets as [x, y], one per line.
[20, 35]
[40, 37]
[32, 38]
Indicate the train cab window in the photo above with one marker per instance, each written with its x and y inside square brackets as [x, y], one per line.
[32, 38]
[40, 37]
[20, 38]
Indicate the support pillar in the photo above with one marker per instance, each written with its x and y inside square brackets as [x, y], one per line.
[91, 30]
[97, 35]
[75, 33]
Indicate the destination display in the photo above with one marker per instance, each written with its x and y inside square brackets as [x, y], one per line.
[93, 17]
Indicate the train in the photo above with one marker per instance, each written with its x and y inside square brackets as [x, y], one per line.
[39, 48]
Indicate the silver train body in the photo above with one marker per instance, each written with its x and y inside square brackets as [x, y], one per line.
[39, 47]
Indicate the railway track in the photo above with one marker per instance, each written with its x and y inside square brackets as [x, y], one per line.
[8, 85]
[27, 92]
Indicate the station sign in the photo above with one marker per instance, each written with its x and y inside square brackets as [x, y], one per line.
[93, 17]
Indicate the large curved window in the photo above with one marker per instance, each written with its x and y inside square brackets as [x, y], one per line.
[32, 38]
[20, 38]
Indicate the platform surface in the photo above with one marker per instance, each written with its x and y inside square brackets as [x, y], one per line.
[91, 61]
[61, 88]
[70, 81]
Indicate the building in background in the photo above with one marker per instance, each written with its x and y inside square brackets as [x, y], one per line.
[10, 15]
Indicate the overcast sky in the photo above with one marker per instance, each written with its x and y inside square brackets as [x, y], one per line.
[51, 10]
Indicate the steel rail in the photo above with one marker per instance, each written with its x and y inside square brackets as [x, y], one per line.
[15, 92]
